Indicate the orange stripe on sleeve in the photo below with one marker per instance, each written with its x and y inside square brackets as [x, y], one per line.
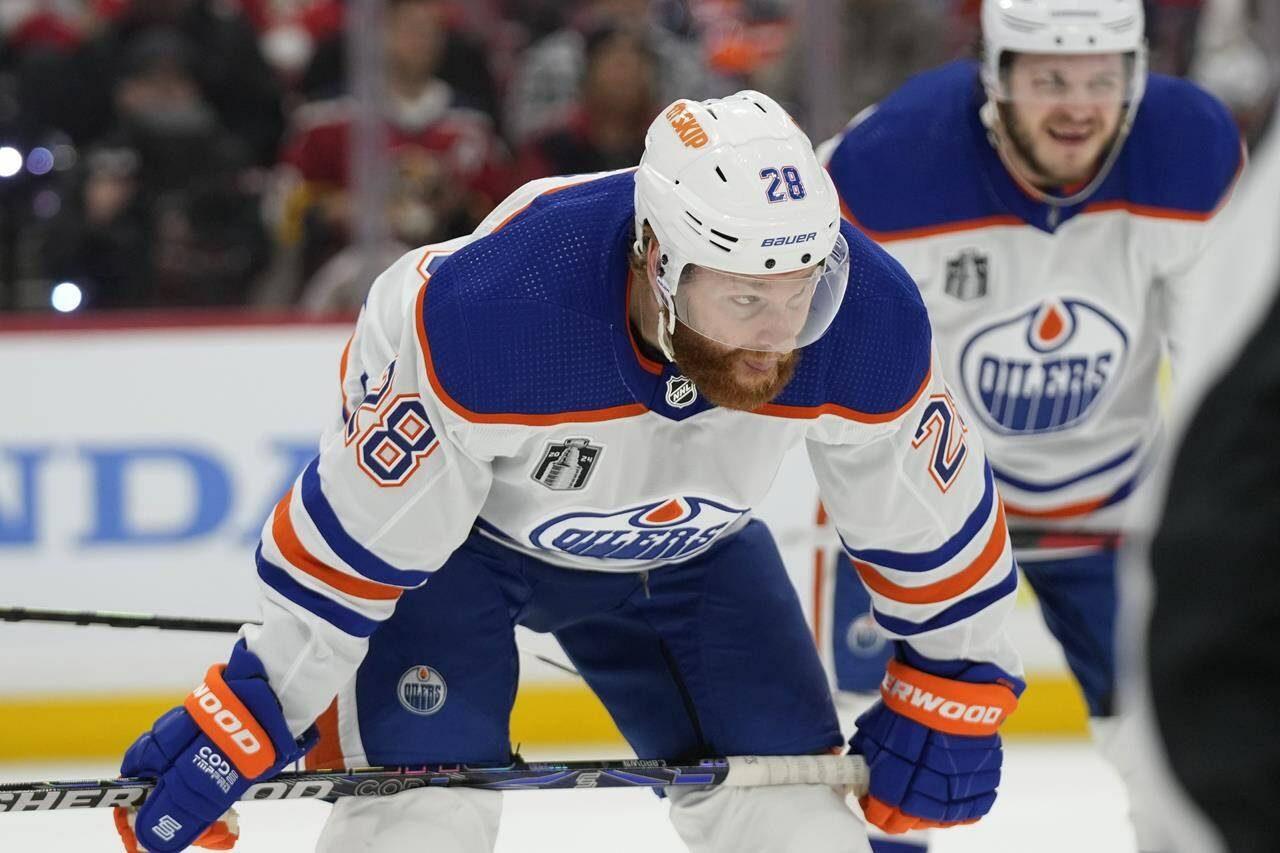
[948, 588]
[301, 559]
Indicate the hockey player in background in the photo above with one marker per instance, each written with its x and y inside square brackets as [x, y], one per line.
[1050, 202]
[563, 422]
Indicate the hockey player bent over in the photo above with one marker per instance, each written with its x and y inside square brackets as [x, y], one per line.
[563, 421]
[1049, 202]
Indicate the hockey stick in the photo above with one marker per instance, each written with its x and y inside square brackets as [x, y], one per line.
[117, 619]
[1030, 539]
[742, 771]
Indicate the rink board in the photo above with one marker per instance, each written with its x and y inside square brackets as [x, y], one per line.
[137, 464]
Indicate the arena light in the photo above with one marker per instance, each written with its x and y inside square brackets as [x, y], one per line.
[39, 161]
[10, 161]
[66, 297]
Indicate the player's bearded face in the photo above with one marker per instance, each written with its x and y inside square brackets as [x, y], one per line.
[1063, 113]
[732, 378]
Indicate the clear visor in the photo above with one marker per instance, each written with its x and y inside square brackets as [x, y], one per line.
[1081, 78]
[777, 313]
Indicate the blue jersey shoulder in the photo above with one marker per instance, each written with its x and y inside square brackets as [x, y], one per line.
[1182, 155]
[922, 160]
[897, 168]
[526, 320]
[878, 350]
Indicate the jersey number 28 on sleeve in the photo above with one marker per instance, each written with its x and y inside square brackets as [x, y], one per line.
[395, 434]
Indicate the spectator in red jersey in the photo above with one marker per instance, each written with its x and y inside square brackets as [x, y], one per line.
[448, 167]
[606, 129]
[290, 30]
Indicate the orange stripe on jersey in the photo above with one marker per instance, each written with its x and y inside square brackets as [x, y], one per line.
[1170, 212]
[928, 230]
[943, 590]
[503, 223]
[588, 416]
[342, 371]
[1068, 511]
[645, 362]
[1150, 211]
[224, 718]
[819, 577]
[301, 559]
[327, 754]
[780, 411]
[946, 705]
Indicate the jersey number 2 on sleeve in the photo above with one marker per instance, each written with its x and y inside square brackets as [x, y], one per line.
[941, 419]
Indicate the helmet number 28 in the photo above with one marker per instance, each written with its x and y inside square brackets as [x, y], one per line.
[787, 176]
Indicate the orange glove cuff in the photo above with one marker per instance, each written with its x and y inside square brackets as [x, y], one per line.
[223, 717]
[894, 821]
[943, 704]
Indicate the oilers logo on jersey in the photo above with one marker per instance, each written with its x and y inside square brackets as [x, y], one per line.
[670, 529]
[422, 690]
[1043, 369]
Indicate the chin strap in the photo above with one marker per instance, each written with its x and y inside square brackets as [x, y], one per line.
[666, 310]
[995, 130]
[666, 327]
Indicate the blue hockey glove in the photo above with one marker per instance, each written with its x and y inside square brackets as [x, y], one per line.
[229, 734]
[932, 747]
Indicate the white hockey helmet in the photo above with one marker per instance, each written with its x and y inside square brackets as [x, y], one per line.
[1066, 27]
[747, 221]
[1062, 26]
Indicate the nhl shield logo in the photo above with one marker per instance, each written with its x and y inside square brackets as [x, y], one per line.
[566, 465]
[681, 392]
[966, 276]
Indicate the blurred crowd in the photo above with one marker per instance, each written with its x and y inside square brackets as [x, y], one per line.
[196, 153]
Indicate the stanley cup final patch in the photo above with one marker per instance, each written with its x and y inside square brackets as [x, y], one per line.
[567, 465]
[966, 276]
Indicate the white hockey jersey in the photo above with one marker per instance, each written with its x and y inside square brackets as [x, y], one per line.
[493, 383]
[1051, 322]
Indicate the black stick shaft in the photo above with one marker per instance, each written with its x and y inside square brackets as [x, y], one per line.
[169, 623]
[840, 770]
[120, 620]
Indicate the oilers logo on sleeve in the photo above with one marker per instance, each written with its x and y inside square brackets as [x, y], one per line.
[1043, 369]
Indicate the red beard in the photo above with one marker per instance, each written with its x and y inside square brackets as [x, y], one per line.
[715, 370]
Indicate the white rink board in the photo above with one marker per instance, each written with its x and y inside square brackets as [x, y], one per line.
[137, 468]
